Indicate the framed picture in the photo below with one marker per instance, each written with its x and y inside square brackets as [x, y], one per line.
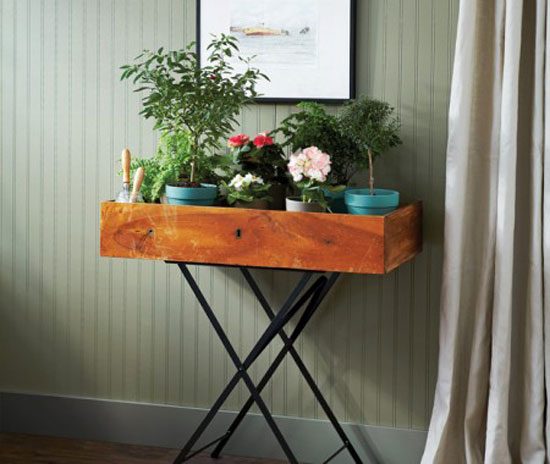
[305, 47]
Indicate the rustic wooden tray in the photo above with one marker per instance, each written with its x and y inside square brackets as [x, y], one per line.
[256, 238]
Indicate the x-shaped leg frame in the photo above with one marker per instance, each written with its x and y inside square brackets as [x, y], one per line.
[313, 296]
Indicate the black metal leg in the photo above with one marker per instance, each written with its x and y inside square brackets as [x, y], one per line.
[303, 369]
[288, 342]
[278, 322]
[315, 295]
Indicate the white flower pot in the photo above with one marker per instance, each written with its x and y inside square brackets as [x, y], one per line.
[297, 205]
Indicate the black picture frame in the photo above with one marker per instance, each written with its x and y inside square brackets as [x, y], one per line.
[328, 101]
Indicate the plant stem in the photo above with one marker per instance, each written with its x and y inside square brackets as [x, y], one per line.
[194, 148]
[192, 175]
[371, 172]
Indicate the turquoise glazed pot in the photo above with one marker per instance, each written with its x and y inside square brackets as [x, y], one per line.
[192, 196]
[336, 200]
[360, 201]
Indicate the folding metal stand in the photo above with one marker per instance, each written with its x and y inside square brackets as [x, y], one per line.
[313, 296]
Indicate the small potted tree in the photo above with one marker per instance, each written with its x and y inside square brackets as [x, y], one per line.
[203, 102]
[248, 191]
[309, 169]
[314, 126]
[374, 129]
[264, 157]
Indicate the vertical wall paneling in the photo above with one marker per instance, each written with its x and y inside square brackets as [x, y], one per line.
[73, 323]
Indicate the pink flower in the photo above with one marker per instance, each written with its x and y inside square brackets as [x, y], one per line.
[238, 140]
[263, 140]
[311, 163]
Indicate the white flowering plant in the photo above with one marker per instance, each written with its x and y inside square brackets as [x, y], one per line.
[309, 169]
[246, 188]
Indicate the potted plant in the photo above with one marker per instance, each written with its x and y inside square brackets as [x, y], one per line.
[173, 156]
[248, 191]
[264, 157]
[314, 126]
[309, 169]
[203, 102]
[374, 129]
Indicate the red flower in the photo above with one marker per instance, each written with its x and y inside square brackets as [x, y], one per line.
[238, 140]
[263, 140]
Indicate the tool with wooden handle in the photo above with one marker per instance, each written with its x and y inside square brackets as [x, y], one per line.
[124, 195]
[136, 196]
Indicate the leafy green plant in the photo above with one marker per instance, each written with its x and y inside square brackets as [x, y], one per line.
[374, 129]
[314, 126]
[150, 190]
[246, 188]
[312, 192]
[184, 97]
[172, 156]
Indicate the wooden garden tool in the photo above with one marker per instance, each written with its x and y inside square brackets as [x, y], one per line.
[124, 195]
[136, 196]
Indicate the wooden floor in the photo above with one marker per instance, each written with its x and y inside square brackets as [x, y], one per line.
[30, 449]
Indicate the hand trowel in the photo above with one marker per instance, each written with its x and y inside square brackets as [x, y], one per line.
[135, 196]
[124, 195]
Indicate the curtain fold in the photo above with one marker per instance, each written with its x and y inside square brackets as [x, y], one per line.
[544, 68]
[494, 361]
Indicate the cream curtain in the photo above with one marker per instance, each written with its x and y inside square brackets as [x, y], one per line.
[494, 363]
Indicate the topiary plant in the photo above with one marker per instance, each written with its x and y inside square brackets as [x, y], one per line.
[373, 128]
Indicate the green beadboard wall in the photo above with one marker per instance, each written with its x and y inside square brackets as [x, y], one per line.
[72, 323]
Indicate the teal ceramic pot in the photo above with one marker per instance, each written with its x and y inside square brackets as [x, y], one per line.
[360, 201]
[336, 200]
[192, 196]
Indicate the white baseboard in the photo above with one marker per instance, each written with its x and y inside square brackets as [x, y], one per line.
[169, 426]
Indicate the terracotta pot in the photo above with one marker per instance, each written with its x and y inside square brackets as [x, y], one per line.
[256, 204]
[277, 192]
[297, 205]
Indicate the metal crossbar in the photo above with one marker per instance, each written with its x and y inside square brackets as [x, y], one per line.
[313, 296]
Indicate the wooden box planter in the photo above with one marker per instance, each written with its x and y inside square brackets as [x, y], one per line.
[257, 238]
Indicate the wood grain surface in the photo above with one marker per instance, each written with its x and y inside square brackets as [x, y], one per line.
[32, 449]
[256, 238]
[403, 235]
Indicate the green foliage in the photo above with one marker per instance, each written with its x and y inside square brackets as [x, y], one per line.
[362, 129]
[372, 125]
[152, 187]
[246, 189]
[173, 156]
[313, 126]
[165, 166]
[311, 192]
[184, 97]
